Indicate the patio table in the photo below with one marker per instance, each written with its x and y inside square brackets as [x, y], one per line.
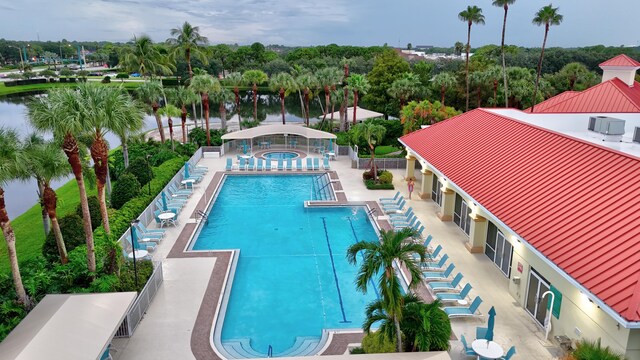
[167, 217]
[487, 349]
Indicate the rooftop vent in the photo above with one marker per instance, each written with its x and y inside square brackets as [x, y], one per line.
[611, 128]
[636, 135]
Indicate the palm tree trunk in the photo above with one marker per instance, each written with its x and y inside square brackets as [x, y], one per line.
[10, 239]
[466, 76]
[355, 105]
[479, 96]
[255, 102]
[155, 108]
[125, 153]
[187, 55]
[326, 101]
[504, 64]
[100, 155]
[45, 217]
[398, 333]
[282, 104]
[236, 92]
[373, 162]
[495, 93]
[443, 89]
[306, 105]
[70, 148]
[193, 109]
[170, 123]
[183, 116]
[205, 102]
[201, 111]
[223, 116]
[535, 91]
[50, 203]
[301, 104]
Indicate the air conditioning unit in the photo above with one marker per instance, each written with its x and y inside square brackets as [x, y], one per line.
[636, 135]
[611, 128]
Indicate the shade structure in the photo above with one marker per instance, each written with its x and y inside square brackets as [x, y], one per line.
[186, 170]
[68, 326]
[164, 197]
[278, 129]
[491, 323]
[330, 145]
[134, 239]
[361, 114]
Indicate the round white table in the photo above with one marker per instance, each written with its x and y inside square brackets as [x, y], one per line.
[188, 183]
[487, 349]
[462, 302]
[167, 217]
[139, 254]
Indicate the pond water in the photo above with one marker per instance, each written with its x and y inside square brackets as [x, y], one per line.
[22, 195]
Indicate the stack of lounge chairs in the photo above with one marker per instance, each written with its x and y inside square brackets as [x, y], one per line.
[259, 164]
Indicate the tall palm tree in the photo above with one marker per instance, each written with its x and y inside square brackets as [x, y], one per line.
[46, 162]
[328, 78]
[205, 84]
[61, 113]
[182, 97]
[236, 80]
[31, 142]
[9, 170]
[359, 84]
[372, 134]
[144, 58]
[505, 5]
[478, 79]
[222, 97]
[472, 15]
[255, 78]
[170, 110]
[283, 83]
[187, 41]
[150, 92]
[335, 98]
[404, 88]
[344, 117]
[444, 81]
[547, 16]
[306, 82]
[375, 314]
[379, 257]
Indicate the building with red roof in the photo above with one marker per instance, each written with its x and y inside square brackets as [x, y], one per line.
[553, 199]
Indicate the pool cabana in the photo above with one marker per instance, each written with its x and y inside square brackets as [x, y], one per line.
[278, 137]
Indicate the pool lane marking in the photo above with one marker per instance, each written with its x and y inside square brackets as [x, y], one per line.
[335, 275]
[355, 237]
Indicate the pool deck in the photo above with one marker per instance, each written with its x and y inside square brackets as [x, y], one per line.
[178, 323]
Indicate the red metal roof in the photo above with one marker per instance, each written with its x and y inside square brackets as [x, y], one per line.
[621, 60]
[612, 96]
[576, 202]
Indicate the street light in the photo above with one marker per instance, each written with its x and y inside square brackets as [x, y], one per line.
[134, 240]
[150, 173]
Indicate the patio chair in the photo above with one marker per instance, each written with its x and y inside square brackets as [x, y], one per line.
[419, 232]
[280, 164]
[289, 164]
[438, 275]
[394, 208]
[175, 200]
[309, 164]
[145, 229]
[391, 200]
[252, 164]
[393, 203]
[446, 285]
[267, 165]
[481, 333]
[195, 170]
[405, 216]
[177, 195]
[316, 164]
[170, 205]
[243, 164]
[404, 222]
[175, 190]
[433, 255]
[431, 265]
[260, 166]
[143, 244]
[157, 237]
[455, 296]
[229, 164]
[427, 241]
[325, 163]
[510, 353]
[106, 355]
[461, 311]
[299, 164]
[466, 348]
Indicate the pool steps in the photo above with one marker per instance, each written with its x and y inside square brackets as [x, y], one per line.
[242, 349]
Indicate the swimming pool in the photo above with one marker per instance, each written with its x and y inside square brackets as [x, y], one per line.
[280, 155]
[292, 279]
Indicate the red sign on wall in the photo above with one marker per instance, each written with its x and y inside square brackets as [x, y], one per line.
[520, 267]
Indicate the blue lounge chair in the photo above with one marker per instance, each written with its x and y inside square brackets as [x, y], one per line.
[405, 216]
[460, 311]
[280, 164]
[316, 164]
[419, 232]
[195, 170]
[179, 192]
[229, 164]
[455, 296]
[289, 164]
[156, 237]
[106, 355]
[176, 195]
[309, 164]
[252, 164]
[446, 285]
[438, 275]
[481, 333]
[299, 164]
[267, 165]
[143, 244]
[394, 208]
[391, 200]
[145, 229]
[430, 265]
[427, 241]
[243, 164]
[466, 348]
[325, 163]
[510, 353]
[393, 203]
[402, 225]
[170, 205]
[404, 222]
[260, 166]
[434, 255]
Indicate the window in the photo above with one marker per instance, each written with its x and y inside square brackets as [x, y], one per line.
[436, 190]
[498, 249]
[461, 214]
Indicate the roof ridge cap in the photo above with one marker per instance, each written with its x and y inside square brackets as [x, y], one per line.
[574, 93]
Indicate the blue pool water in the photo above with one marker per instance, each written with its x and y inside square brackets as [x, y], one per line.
[280, 155]
[292, 279]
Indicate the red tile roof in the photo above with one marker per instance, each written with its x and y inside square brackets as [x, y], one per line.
[621, 60]
[577, 203]
[612, 96]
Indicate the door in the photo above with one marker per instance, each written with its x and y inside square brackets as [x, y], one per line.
[535, 305]
[498, 249]
[465, 219]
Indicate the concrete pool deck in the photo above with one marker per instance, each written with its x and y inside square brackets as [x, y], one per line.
[175, 317]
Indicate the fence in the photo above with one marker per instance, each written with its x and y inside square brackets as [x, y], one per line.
[381, 163]
[133, 317]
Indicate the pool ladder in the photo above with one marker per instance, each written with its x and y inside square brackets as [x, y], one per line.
[270, 351]
[371, 212]
[202, 214]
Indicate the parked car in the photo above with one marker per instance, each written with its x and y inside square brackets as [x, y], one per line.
[135, 75]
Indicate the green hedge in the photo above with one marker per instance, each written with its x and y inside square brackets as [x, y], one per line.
[371, 185]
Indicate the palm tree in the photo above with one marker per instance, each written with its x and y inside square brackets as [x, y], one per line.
[46, 162]
[379, 258]
[404, 88]
[345, 102]
[144, 58]
[149, 93]
[375, 314]
[283, 83]
[182, 97]
[574, 72]
[478, 79]
[236, 80]
[505, 5]
[222, 97]
[187, 41]
[546, 16]
[472, 15]
[255, 78]
[335, 98]
[359, 85]
[31, 142]
[306, 82]
[372, 134]
[9, 170]
[205, 84]
[426, 326]
[328, 78]
[170, 110]
[492, 75]
[60, 113]
[444, 81]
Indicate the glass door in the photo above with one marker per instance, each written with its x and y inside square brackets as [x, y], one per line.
[498, 249]
[465, 219]
[536, 305]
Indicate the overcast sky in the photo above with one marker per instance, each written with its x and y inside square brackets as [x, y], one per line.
[305, 22]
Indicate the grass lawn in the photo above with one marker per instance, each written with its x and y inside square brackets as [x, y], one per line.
[4, 90]
[386, 149]
[28, 226]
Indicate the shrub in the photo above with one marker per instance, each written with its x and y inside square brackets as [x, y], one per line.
[162, 156]
[376, 342]
[127, 276]
[357, 351]
[587, 350]
[122, 76]
[141, 170]
[126, 188]
[371, 185]
[385, 177]
[199, 136]
[94, 210]
[106, 80]
[71, 227]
